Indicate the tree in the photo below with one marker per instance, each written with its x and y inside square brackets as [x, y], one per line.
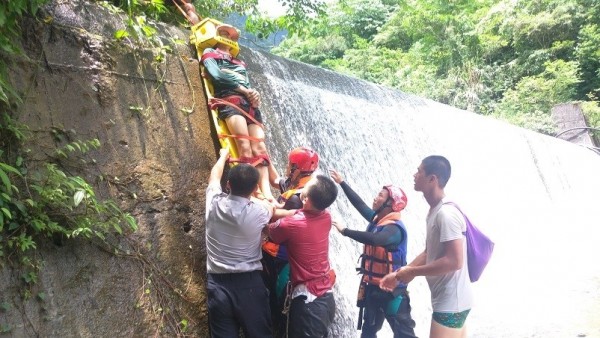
[530, 102]
[299, 17]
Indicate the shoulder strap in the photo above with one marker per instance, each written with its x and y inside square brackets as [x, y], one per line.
[479, 248]
[465, 216]
[220, 56]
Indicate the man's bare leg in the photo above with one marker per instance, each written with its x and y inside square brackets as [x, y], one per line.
[259, 148]
[237, 126]
[440, 331]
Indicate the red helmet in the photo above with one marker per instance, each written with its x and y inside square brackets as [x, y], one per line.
[397, 196]
[304, 159]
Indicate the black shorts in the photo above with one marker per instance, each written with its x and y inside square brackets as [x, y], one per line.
[227, 111]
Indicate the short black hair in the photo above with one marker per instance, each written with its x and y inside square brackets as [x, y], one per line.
[243, 179]
[439, 166]
[323, 193]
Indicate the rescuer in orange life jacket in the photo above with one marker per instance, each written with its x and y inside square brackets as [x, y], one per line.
[302, 163]
[385, 241]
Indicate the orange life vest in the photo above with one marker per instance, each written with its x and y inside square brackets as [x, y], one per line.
[274, 249]
[378, 261]
[295, 190]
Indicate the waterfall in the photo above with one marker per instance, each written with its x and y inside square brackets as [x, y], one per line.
[532, 194]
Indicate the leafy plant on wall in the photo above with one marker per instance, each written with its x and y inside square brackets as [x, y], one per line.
[42, 203]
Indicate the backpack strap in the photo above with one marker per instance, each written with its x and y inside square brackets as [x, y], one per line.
[465, 216]
[479, 248]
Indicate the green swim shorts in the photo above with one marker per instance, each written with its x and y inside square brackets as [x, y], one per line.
[455, 320]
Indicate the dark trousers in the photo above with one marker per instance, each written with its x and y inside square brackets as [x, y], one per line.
[238, 300]
[272, 267]
[377, 309]
[311, 319]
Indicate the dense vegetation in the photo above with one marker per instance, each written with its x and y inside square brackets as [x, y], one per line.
[508, 58]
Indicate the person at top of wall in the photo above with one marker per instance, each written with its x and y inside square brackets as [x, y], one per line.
[385, 241]
[242, 114]
[302, 163]
[188, 10]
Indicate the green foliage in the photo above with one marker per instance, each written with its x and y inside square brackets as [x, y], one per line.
[154, 9]
[361, 18]
[41, 202]
[11, 13]
[345, 25]
[299, 19]
[539, 24]
[5, 328]
[533, 120]
[591, 111]
[138, 14]
[47, 202]
[588, 54]
[312, 50]
[141, 25]
[222, 9]
[372, 64]
[530, 102]
[184, 325]
[443, 32]
[512, 59]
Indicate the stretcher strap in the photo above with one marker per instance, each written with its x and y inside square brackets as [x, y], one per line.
[254, 161]
[215, 102]
[251, 138]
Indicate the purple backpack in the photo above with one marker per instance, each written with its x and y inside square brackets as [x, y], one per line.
[479, 248]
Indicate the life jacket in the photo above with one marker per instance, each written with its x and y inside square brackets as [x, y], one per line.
[378, 261]
[274, 249]
[218, 55]
[286, 195]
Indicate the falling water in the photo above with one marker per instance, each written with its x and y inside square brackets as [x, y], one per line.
[536, 196]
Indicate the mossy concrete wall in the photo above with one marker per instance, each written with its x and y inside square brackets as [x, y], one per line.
[78, 83]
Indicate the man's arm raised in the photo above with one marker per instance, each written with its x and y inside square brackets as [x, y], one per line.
[217, 170]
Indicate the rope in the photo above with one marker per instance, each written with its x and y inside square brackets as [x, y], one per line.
[175, 2]
[576, 128]
[253, 161]
[213, 102]
[220, 102]
[287, 303]
[251, 138]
